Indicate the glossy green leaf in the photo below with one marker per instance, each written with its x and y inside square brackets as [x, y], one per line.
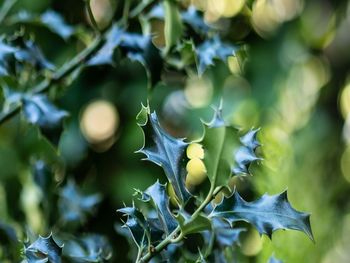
[165, 151]
[219, 141]
[173, 25]
[190, 225]
[267, 214]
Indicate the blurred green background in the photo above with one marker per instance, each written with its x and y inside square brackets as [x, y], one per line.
[291, 80]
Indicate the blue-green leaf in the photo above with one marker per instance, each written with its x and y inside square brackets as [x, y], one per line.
[272, 259]
[267, 214]
[157, 192]
[165, 151]
[74, 206]
[135, 46]
[137, 225]
[105, 54]
[49, 19]
[191, 225]
[225, 234]
[44, 249]
[56, 24]
[88, 248]
[210, 50]
[245, 155]
[39, 110]
[192, 17]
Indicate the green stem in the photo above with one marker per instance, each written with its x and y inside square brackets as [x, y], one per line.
[6, 7]
[61, 73]
[174, 237]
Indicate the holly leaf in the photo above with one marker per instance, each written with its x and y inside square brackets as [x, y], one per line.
[190, 225]
[89, 248]
[49, 19]
[165, 151]
[192, 17]
[137, 225]
[136, 47]
[157, 193]
[105, 55]
[56, 24]
[73, 205]
[210, 50]
[44, 249]
[225, 234]
[267, 214]
[37, 109]
[219, 141]
[245, 155]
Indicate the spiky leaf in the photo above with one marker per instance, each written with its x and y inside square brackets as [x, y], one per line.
[137, 225]
[165, 151]
[219, 141]
[210, 50]
[157, 192]
[44, 249]
[245, 155]
[267, 214]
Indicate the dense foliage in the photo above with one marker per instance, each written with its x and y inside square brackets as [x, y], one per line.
[205, 74]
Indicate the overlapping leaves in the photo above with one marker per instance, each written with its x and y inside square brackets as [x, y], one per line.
[165, 151]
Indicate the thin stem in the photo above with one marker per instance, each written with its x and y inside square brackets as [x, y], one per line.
[173, 237]
[61, 73]
[91, 16]
[6, 7]
[126, 10]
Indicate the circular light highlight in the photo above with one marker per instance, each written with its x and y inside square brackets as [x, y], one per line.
[99, 122]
